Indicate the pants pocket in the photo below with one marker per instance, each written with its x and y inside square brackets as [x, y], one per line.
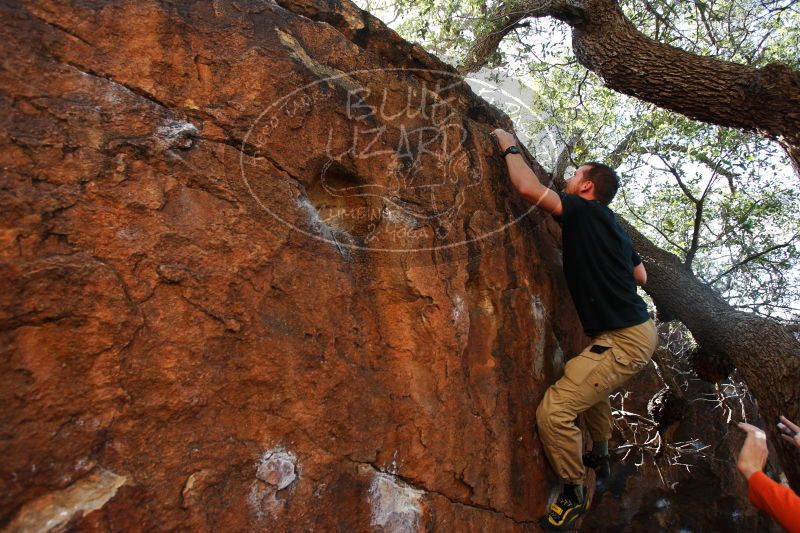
[621, 358]
[580, 367]
[625, 360]
[586, 363]
[620, 368]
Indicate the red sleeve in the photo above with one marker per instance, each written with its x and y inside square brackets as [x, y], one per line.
[776, 500]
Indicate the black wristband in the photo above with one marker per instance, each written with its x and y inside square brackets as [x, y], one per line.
[511, 150]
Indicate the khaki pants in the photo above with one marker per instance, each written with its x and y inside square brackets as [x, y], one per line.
[609, 360]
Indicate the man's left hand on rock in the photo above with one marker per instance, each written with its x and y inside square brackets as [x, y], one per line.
[504, 138]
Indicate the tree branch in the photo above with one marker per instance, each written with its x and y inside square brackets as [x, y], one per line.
[764, 100]
[564, 160]
[677, 176]
[506, 16]
[763, 349]
[651, 225]
[703, 88]
[751, 258]
[701, 157]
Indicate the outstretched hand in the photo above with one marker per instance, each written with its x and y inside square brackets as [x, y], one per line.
[504, 138]
[790, 432]
[753, 455]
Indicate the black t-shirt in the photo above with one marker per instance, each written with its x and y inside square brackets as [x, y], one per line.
[598, 264]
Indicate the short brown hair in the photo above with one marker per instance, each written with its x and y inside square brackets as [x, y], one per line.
[605, 180]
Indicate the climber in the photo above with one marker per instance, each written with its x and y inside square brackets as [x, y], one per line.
[602, 270]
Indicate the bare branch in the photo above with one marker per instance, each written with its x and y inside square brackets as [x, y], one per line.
[753, 257]
[650, 224]
[564, 160]
[507, 17]
[677, 175]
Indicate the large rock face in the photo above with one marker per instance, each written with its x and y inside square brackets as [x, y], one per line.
[239, 297]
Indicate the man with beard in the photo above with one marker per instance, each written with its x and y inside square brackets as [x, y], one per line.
[602, 270]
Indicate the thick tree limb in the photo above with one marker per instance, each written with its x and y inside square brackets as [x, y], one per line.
[764, 100]
[486, 44]
[766, 352]
[506, 17]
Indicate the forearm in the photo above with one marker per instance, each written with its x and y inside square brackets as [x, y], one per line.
[640, 274]
[522, 177]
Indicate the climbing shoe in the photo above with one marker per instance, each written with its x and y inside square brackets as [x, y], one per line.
[601, 464]
[563, 513]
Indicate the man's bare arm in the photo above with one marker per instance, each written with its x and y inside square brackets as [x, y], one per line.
[524, 180]
[640, 274]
